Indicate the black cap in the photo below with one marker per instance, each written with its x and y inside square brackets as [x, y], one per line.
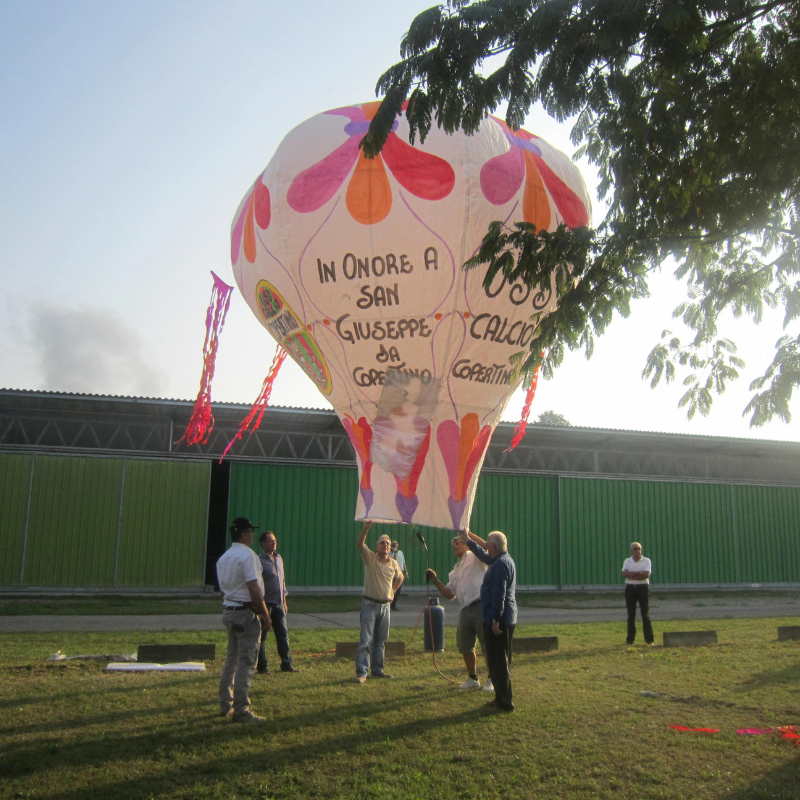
[242, 524]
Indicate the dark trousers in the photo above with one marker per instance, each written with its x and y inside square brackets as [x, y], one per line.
[638, 593]
[498, 659]
[278, 618]
[393, 604]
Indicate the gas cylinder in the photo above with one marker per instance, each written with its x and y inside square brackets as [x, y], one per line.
[434, 626]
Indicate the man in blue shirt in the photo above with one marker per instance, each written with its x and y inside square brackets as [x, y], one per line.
[499, 608]
[275, 598]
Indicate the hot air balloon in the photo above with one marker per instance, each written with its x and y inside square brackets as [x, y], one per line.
[354, 267]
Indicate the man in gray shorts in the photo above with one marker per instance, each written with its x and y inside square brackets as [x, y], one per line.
[464, 584]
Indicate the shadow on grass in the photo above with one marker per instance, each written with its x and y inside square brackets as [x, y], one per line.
[780, 784]
[198, 735]
[779, 677]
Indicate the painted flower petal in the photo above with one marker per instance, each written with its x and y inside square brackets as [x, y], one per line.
[569, 205]
[353, 113]
[448, 436]
[408, 486]
[476, 454]
[502, 176]
[535, 203]
[469, 432]
[423, 174]
[262, 205]
[369, 196]
[249, 233]
[313, 187]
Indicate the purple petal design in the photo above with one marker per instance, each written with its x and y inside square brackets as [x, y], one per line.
[313, 187]
[406, 506]
[457, 508]
[502, 176]
[367, 495]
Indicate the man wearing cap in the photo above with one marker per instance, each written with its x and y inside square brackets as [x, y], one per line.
[636, 571]
[275, 599]
[382, 578]
[464, 584]
[244, 615]
[499, 610]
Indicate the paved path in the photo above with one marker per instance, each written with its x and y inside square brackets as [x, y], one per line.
[572, 609]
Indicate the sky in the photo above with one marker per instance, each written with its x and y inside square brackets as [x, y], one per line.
[129, 133]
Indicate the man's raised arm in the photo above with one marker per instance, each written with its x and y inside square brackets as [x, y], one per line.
[362, 537]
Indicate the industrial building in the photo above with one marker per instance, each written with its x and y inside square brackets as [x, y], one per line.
[95, 494]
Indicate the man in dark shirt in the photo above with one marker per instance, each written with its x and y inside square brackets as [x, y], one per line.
[275, 599]
[499, 607]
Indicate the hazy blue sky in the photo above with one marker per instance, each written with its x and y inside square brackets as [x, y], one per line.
[129, 133]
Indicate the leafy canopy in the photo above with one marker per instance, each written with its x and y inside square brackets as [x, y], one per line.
[691, 113]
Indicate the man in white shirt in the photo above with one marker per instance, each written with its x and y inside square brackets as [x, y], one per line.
[244, 614]
[636, 571]
[464, 584]
[397, 554]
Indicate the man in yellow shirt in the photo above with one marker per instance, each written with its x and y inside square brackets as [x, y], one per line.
[382, 578]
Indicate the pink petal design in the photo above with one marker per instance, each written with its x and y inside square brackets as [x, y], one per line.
[502, 176]
[423, 174]
[236, 233]
[448, 435]
[353, 113]
[567, 202]
[313, 187]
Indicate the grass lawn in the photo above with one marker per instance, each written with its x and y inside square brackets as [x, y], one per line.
[581, 730]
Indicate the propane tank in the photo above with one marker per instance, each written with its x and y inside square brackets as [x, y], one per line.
[434, 626]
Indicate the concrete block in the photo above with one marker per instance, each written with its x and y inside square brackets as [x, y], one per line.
[175, 653]
[689, 638]
[788, 633]
[534, 644]
[348, 649]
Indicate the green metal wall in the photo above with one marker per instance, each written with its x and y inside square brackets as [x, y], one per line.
[567, 532]
[80, 521]
[15, 471]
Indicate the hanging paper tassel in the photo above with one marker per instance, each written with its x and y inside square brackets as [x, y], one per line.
[262, 401]
[201, 423]
[526, 412]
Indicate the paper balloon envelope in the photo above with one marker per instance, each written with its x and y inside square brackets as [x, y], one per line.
[354, 266]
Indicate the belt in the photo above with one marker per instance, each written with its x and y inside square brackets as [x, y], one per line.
[373, 600]
[474, 602]
[236, 608]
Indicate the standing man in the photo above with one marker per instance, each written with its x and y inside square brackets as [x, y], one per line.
[275, 599]
[464, 584]
[382, 578]
[499, 609]
[244, 615]
[397, 554]
[636, 571]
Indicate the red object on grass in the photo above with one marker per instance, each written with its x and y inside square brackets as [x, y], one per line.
[696, 730]
[201, 423]
[256, 413]
[526, 412]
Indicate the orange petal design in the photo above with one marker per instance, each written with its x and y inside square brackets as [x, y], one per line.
[369, 196]
[470, 428]
[370, 109]
[249, 235]
[535, 203]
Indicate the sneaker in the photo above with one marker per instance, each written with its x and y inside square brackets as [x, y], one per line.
[264, 671]
[226, 712]
[470, 683]
[380, 675]
[288, 668]
[488, 687]
[249, 718]
[360, 679]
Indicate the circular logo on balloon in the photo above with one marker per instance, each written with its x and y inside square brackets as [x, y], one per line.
[287, 328]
